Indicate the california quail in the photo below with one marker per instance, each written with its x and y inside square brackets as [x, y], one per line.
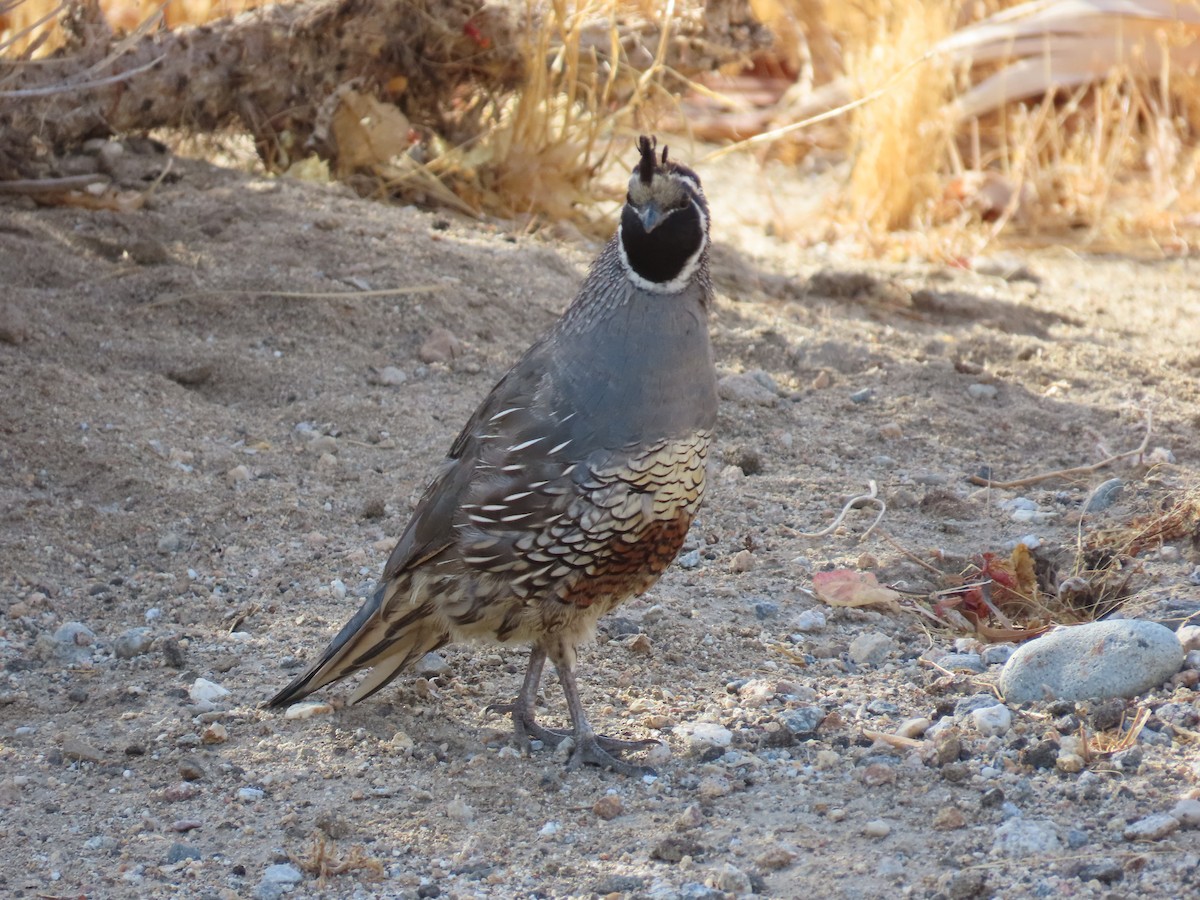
[572, 486]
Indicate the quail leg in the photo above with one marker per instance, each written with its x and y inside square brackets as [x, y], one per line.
[591, 748]
[525, 726]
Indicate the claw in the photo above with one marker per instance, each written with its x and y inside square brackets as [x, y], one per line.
[589, 750]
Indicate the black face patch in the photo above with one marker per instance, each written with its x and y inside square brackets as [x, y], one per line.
[661, 255]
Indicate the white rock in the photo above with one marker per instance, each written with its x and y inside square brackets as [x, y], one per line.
[877, 828]
[307, 710]
[992, 720]
[1115, 658]
[1189, 637]
[1187, 811]
[1025, 837]
[810, 621]
[250, 794]
[205, 691]
[700, 736]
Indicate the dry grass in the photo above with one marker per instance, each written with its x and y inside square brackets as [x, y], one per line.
[897, 141]
[941, 163]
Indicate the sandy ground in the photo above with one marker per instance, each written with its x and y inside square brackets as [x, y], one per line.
[228, 468]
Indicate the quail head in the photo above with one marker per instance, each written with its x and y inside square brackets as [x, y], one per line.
[572, 486]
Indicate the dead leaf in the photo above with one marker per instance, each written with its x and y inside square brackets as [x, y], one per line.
[844, 587]
[367, 132]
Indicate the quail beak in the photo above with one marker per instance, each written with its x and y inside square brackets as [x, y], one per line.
[651, 216]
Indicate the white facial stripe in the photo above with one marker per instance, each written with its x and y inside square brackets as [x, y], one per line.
[680, 281]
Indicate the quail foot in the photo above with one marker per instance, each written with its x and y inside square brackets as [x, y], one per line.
[572, 486]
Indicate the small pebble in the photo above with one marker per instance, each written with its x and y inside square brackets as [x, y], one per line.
[877, 828]
[1187, 811]
[703, 736]
[179, 852]
[608, 807]
[459, 810]
[431, 665]
[442, 346]
[388, 376]
[803, 721]
[689, 560]
[237, 475]
[170, 543]
[997, 654]
[743, 561]
[1104, 496]
[1151, 828]
[731, 880]
[203, 690]
[992, 720]
[249, 794]
[307, 710]
[133, 642]
[214, 733]
[872, 648]
[81, 751]
[864, 395]
[1020, 837]
[982, 392]
[283, 873]
[745, 388]
[72, 641]
[811, 621]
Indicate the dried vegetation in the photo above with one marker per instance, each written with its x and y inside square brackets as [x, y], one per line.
[957, 122]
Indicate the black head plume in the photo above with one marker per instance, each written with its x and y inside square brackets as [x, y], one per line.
[648, 163]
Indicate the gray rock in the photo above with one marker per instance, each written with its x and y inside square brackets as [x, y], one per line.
[283, 873]
[133, 642]
[431, 665]
[1116, 658]
[1152, 828]
[765, 609]
[1106, 871]
[1025, 837]
[979, 391]
[803, 720]
[72, 642]
[745, 388]
[963, 662]
[992, 720]
[811, 621]
[689, 560]
[1104, 496]
[620, 884]
[872, 648]
[170, 543]
[968, 705]
[388, 376]
[694, 890]
[864, 395]
[268, 890]
[179, 852]
[997, 654]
